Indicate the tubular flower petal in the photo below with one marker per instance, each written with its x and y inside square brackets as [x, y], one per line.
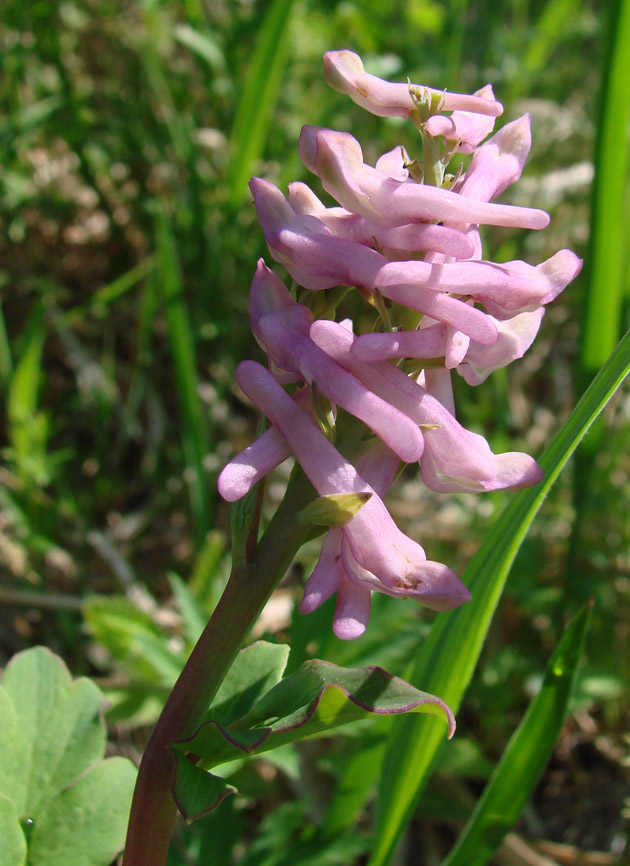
[412, 237]
[499, 162]
[344, 72]
[505, 290]
[466, 127]
[337, 159]
[515, 337]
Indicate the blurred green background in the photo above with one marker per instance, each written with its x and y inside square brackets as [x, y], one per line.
[128, 240]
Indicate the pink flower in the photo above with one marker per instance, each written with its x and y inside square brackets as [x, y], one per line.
[412, 237]
[466, 127]
[504, 290]
[337, 159]
[281, 326]
[374, 551]
[454, 458]
[344, 72]
[515, 336]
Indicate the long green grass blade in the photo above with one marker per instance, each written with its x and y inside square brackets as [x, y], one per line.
[6, 362]
[607, 261]
[258, 97]
[24, 390]
[525, 756]
[195, 435]
[550, 30]
[202, 45]
[449, 656]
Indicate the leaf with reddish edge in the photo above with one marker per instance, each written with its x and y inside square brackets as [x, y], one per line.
[195, 791]
[314, 699]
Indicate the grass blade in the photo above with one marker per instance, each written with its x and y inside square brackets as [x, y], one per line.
[525, 756]
[195, 437]
[607, 259]
[448, 658]
[258, 98]
[202, 45]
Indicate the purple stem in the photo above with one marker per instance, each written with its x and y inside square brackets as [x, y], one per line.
[249, 587]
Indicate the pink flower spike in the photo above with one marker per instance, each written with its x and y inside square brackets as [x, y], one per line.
[380, 550]
[515, 337]
[344, 72]
[337, 158]
[466, 127]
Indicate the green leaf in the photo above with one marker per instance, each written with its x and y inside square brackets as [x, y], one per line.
[55, 728]
[51, 767]
[335, 509]
[194, 618]
[449, 656]
[525, 756]
[6, 361]
[256, 669]
[85, 825]
[318, 697]
[133, 638]
[13, 847]
[196, 791]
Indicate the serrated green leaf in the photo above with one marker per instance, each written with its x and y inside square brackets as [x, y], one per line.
[449, 656]
[525, 756]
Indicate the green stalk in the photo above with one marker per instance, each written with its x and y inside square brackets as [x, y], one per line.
[249, 587]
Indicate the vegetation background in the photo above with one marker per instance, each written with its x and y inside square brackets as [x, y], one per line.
[127, 244]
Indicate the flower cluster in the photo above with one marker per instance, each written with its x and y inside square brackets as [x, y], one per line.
[406, 235]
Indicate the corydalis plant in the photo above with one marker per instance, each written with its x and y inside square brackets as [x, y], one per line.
[350, 408]
[406, 236]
